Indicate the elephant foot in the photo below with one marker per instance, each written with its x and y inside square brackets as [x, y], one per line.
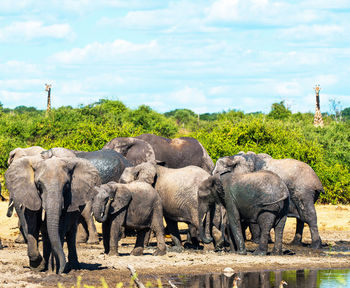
[138, 251]
[93, 241]
[38, 264]
[176, 249]
[259, 252]
[242, 252]
[113, 251]
[72, 265]
[296, 241]
[20, 239]
[316, 244]
[159, 252]
[276, 252]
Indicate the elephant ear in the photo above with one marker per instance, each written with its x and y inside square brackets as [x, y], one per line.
[122, 197]
[20, 182]
[84, 178]
[146, 172]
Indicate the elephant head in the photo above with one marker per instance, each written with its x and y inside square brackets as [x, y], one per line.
[210, 192]
[237, 164]
[144, 172]
[22, 152]
[134, 150]
[58, 185]
[110, 199]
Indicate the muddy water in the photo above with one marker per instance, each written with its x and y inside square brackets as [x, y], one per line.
[268, 279]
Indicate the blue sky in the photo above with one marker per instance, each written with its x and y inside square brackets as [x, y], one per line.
[207, 56]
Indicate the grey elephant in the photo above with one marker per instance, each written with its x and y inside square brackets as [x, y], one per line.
[303, 184]
[21, 152]
[177, 189]
[259, 197]
[59, 186]
[171, 153]
[110, 165]
[136, 205]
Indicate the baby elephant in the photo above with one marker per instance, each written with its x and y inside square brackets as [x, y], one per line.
[136, 205]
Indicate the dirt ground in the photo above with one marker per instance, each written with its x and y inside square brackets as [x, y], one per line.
[334, 226]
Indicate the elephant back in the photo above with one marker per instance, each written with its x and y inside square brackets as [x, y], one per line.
[109, 163]
[175, 153]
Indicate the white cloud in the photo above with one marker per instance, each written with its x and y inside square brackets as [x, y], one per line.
[17, 68]
[25, 31]
[224, 10]
[188, 95]
[104, 51]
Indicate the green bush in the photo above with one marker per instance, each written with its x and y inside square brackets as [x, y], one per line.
[280, 134]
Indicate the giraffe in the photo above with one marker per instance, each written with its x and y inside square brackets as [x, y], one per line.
[318, 122]
[48, 89]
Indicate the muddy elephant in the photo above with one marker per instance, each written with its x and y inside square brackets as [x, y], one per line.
[259, 197]
[60, 187]
[171, 153]
[303, 184]
[177, 189]
[136, 206]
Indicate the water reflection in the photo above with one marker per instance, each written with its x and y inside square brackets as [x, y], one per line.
[331, 278]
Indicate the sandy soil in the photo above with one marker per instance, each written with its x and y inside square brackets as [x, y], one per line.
[334, 226]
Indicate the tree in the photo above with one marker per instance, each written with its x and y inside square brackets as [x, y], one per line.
[346, 113]
[279, 111]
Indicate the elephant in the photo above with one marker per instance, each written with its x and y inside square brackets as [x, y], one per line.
[60, 187]
[177, 189]
[260, 197]
[171, 153]
[303, 184]
[21, 152]
[2, 198]
[135, 205]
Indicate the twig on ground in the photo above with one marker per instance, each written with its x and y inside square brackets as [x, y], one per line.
[172, 285]
[134, 277]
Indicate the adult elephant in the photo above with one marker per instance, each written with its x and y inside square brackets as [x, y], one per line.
[177, 189]
[171, 153]
[59, 186]
[303, 184]
[137, 206]
[110, 165]
[22, 152]
[259, 197]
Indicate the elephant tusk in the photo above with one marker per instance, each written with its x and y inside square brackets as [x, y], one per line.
[102, 214]
[11, 204]
[204, 216]
[21, 206]
[43, 215]
[92, 213]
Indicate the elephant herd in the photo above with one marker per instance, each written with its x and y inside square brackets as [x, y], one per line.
[133, 183]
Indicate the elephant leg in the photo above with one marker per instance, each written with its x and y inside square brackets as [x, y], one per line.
[33, 220]
[193, 232]
[311, 220]
[106, 234]
[46, 245]
[158, 228]
[298, 232]
[235, 226]
[82, 235]
[279, 227]
[90, 225]
[115, 233]
[73, 262]
[140, 239]
[265, 221]
[175, 234]
[255, 232]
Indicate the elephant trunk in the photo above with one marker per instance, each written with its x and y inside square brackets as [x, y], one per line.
[53, 222]
[202, 215]
[101, 211]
